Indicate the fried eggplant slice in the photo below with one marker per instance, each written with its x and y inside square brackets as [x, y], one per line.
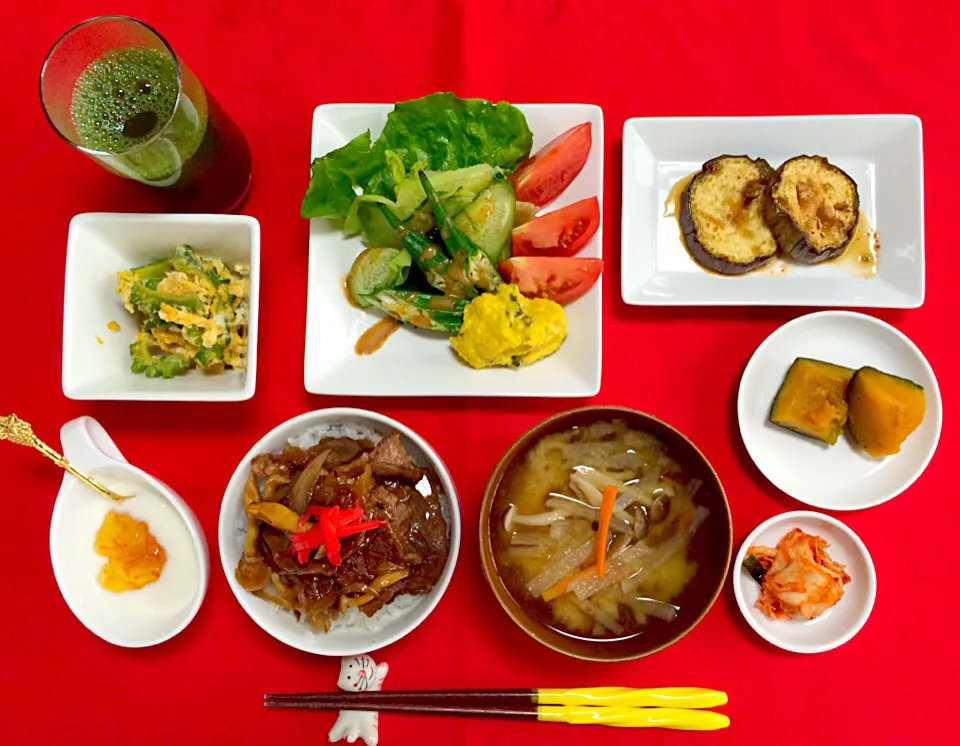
[812, 209]
[721, 215]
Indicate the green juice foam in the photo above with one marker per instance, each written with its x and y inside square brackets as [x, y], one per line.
[122, 104]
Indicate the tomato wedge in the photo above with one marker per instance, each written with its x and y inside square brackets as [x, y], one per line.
[544, 175]
[559, 278]
[562, 232]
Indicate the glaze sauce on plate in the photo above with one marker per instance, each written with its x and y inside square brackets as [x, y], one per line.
[861, 258]
[671, 205]
[862, 255]
[374, 337]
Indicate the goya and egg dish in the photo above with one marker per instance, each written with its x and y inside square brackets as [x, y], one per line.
[593, 531]
[192, 313]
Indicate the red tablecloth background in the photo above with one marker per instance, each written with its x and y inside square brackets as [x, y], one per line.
[270, 64]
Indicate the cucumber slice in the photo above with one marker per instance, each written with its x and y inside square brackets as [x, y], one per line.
[488, 220]
[377, 269]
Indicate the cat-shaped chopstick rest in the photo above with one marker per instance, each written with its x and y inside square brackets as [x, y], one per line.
[359, 673]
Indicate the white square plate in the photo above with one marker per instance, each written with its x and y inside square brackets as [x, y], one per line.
[882, 153]
[101, 244]
[420, 363]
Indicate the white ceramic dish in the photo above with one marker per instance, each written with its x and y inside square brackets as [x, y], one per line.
[418, 363]
[839, 477]
[156, 612]
[101, 244]
[882, 153]
[282, 625]
[838, 624]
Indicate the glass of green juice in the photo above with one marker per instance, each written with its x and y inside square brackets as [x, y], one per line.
[113, 88]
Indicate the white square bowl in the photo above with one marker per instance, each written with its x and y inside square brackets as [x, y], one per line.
[882, 153]
[419, 363]
[101, 244]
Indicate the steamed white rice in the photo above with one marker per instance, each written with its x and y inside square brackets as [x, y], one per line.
[353, 618]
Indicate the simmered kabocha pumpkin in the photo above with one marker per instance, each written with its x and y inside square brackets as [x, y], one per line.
[883, 410]
[812, 399]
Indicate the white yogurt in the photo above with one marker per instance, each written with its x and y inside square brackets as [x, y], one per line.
[136, 617]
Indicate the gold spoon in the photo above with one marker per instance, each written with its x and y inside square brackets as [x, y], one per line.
[17, 431]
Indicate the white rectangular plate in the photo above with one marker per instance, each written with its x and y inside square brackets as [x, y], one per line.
[419, 363]
[882, 153]
[101, 244]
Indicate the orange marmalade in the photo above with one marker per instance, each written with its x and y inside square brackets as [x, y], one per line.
[134, 557]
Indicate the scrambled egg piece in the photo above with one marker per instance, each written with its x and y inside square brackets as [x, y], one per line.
[179, 283]
[504, 328]
[211, 330]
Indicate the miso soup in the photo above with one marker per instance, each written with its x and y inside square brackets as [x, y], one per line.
[548, 543]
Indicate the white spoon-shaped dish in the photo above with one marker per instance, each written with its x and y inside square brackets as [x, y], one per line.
[137, 618]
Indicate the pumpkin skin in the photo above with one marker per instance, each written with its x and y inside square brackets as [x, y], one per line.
[883, 410]
[812, 401]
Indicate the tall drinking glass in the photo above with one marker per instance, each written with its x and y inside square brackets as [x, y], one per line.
[113, 88]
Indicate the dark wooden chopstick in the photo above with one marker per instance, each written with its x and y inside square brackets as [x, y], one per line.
[493, 703]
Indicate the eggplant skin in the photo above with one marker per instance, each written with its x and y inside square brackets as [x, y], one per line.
[724, 257]
[831, 224]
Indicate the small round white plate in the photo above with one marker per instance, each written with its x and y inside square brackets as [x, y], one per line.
[839, 477]
[836, 625]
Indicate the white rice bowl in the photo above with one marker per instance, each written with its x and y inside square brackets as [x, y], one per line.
[352, 633]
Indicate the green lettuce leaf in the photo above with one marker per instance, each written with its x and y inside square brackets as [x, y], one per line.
[332, 179]
[440, 132]
[448, 132]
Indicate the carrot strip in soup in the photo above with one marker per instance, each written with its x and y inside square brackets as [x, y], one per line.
[555, 591]
[606, 513]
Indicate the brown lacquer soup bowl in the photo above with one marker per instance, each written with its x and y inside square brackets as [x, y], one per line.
[699, 518]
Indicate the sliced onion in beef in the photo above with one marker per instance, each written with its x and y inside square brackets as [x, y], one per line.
[300, 494]
[389, 578]
[252, 574]
[270, 486]
[276, 515]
